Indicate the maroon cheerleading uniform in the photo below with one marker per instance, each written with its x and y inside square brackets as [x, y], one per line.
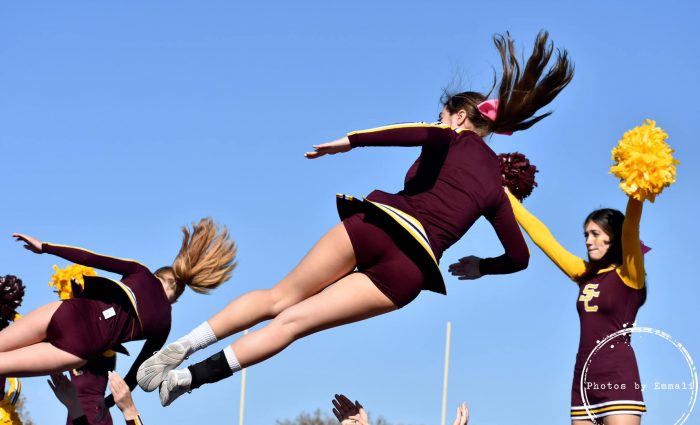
[399, 238]
[108, 312]
[607, 303]
[90, 383]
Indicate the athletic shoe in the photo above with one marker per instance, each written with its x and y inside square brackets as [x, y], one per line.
[154, 370]
[176, 384]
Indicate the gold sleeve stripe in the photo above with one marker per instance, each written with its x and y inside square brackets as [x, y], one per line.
[93, 253]
[397, 126]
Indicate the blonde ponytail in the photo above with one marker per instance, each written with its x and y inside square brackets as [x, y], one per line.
[206, 258]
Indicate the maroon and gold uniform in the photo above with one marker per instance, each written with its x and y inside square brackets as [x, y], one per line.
[607, 303]
[110, 312]
[455, 181]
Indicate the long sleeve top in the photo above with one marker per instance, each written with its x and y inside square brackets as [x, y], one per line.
[631, 271]
[608, 301]
[152, 306]
[455, 180]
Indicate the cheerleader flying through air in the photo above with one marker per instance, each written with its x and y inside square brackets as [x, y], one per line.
[111, 312]
[387, 247]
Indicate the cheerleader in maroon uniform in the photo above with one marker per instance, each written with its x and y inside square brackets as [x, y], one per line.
[65, 335]
[394, 240]
[606, 387]
[611, 290]
[90, 383]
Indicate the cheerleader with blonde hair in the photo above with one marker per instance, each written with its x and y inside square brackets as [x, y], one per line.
[66, 334]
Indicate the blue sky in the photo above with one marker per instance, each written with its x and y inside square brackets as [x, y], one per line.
[119, 122]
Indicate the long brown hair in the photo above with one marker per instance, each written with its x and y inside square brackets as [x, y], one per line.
[610, 221]
[205, 261]
[520, 94]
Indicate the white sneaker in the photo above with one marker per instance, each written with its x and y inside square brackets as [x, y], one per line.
[176, 384]
[154, 370]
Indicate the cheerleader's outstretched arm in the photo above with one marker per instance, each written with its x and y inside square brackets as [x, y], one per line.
[570, 264]
[410, 134]
[80, 256]
[632, 268]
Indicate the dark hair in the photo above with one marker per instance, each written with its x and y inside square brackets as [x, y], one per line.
[520, 95]
[610, 221]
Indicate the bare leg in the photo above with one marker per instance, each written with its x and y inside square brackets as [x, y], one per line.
[612, 420]
[36, 360]
[330, 259]
[351, 299]
[28, 330]
[622, 420]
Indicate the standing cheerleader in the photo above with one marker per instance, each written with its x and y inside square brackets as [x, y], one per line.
[611, 283]
[66, 334]
[394, 240]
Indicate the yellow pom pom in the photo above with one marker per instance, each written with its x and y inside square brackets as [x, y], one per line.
[63, 277]
[644, 162]
[8, 415]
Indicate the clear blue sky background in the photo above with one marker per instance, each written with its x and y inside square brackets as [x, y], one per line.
[121, 121]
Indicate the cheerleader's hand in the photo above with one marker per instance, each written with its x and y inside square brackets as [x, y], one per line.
[349, 413]
[122, 396]
[467, 268]
[462, 415]
[330, 148]
[29, 242]
[66, 393]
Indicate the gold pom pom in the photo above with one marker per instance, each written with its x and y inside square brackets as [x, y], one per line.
[8, 414]
[63, 277]
[644, 162]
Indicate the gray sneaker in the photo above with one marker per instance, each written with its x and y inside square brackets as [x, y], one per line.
[176, 384]
[154, 370]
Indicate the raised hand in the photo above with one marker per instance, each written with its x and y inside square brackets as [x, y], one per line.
[467, 268]
[122, 396]
[30, 243]
[462, 417]
[66, 393]
[330, 148]
[349, 413]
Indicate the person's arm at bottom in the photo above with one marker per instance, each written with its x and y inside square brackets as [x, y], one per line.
[122, 398]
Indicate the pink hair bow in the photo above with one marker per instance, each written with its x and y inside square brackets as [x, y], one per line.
[489, 110]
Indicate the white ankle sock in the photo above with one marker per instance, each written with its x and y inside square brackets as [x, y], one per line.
[231, 359]
[201, 337]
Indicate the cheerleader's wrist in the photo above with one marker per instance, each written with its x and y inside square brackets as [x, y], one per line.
[130, 413]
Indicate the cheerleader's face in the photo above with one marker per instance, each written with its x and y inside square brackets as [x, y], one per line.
[597, 241]
[457, 120]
